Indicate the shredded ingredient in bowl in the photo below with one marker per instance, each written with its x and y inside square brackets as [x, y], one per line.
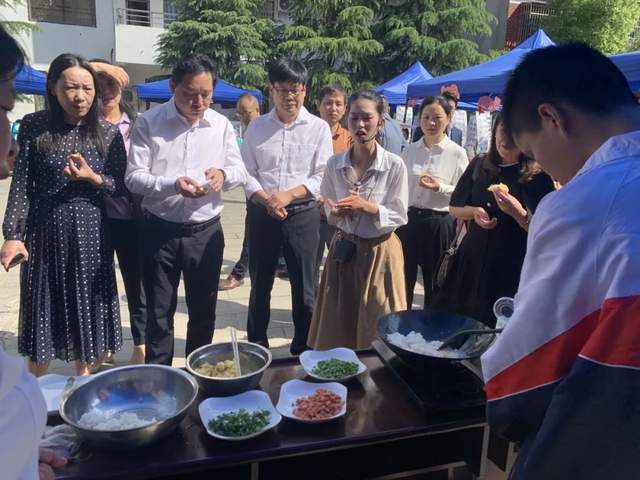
[110, 420]
[223, 369]
[322, 404]
[415, 342]
[240, 423]
[335, 369]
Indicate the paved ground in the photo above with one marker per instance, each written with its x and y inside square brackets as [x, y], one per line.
[232, 305]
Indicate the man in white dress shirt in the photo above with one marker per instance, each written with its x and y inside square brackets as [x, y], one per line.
[182, 155]
[285, 152]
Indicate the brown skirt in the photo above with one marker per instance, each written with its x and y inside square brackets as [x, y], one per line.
[353, 296]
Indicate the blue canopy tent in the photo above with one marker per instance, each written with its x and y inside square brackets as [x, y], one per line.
[488, 78]
[224, 92]
[31, 82]
[396, 89]
[629, 64]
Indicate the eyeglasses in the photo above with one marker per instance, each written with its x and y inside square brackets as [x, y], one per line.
[285, 92]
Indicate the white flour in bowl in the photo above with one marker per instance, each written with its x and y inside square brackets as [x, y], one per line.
[109, 420]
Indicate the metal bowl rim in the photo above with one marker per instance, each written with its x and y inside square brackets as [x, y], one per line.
[228, 379]
[189, 378]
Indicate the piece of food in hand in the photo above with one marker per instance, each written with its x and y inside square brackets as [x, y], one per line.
[498, 187]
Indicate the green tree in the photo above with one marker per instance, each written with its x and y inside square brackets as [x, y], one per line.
[436, 32]
[231, 32]
[606, 25]
[333, 38]
[12, 26]
[360, 43]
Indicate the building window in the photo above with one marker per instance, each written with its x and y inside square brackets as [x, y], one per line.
[67, 12]
[138, 13]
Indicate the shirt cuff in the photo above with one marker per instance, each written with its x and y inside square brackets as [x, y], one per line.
[382, 220]
[165, 185]
[313, 187]
[252, 186]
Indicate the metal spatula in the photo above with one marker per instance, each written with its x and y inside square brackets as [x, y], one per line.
[458, 339]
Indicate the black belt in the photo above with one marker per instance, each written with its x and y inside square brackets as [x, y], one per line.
[426, 212]
[184, 228]
[305, 204]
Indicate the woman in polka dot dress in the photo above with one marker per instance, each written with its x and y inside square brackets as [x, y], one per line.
[69, 159]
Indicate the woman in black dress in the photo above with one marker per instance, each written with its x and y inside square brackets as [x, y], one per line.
[489, 260]
[69, 159]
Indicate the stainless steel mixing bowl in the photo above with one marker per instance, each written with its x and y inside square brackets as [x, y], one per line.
[149, 391]
[254, 359]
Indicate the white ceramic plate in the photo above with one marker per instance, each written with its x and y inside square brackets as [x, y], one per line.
[310, 359]
[295, 389]
[251, 401]
[52, 385]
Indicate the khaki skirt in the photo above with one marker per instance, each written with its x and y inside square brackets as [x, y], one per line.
[353, 296]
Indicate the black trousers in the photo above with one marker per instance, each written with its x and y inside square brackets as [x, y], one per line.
[427, 234]
[126, 238]
[326, 235]
[241, 268]
[298, 237]
[196, 252]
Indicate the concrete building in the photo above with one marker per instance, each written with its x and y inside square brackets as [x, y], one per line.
[121, 31]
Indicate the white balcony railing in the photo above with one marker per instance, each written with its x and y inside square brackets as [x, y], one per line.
[144, 18]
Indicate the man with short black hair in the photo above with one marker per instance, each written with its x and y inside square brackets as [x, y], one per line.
[563, 379]
[285, 152]
[182, 155]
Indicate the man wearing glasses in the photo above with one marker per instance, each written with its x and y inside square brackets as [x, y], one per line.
[285, 152]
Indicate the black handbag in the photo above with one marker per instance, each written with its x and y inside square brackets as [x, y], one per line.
[446, 259]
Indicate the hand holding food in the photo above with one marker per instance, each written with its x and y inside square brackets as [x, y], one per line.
[510, 205]
[189, 188]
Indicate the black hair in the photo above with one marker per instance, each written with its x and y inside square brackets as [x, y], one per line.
[91, 131]
[450, 96]
[368, 95]
[331, 90]
[573, 74]
[193, 64]
[12, 58]
[437, 99]
[490, 161]
[288, 70]
[125, 105]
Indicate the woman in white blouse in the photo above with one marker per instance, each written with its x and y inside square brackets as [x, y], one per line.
[366, 198]
[435, 164]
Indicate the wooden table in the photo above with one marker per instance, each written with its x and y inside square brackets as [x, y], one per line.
[383, 435]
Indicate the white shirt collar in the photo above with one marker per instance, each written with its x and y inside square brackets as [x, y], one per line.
[172, 112]
[380, 163]
[302, 118]
[620, 146]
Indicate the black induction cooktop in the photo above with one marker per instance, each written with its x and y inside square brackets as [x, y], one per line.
[452, 389]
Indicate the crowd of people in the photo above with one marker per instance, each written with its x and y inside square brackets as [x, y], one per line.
[91, 177]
